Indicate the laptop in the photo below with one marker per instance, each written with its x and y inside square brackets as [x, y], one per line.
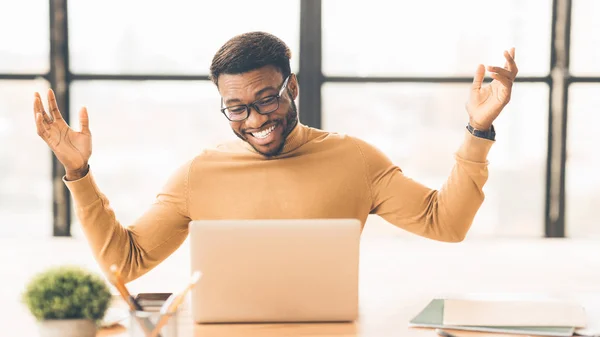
[261, 271]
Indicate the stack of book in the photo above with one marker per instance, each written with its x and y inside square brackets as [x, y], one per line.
[539, 318]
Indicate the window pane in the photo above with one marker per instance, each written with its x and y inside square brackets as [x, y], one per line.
[25, 41]
[142, 132]
[420, 126]
[583, 162]
[179, 38]
[585, 39]
[25, 164]
[433, 37]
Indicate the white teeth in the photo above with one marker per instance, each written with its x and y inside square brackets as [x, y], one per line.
[263, 133]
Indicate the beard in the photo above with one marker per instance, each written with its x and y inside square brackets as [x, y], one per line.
[289, 122]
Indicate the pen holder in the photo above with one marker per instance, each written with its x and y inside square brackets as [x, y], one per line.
[139, 319]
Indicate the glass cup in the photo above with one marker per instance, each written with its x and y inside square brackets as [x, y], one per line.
[139, 323]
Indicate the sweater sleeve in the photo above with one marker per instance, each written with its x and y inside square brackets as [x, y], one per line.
[445, 214]
[138, 248]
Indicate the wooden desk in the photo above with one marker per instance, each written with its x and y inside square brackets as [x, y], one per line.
[390, 321]
[398, 278]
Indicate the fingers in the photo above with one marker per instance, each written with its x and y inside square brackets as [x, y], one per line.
[478, 78]
[53, 106]
[42, 128]
[510, 61]
[38, 108]
[84, 121]
[501, 71]
[503, 79]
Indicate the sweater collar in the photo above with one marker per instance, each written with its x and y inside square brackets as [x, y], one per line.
[294, 140]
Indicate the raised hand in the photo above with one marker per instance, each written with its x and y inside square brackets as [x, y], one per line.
[73, 149]
[486, 103]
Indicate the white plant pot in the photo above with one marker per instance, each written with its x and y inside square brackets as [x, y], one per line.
[67, 328]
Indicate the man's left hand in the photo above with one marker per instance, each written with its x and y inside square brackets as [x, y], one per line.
[486, 103]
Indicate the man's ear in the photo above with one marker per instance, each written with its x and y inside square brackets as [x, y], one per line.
[293, 86]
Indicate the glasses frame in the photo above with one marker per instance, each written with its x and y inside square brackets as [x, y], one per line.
[254, 104]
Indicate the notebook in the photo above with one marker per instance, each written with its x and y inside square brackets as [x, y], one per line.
[432, 316]
[513, 313]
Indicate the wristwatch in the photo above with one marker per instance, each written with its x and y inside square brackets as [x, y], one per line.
[487, 134]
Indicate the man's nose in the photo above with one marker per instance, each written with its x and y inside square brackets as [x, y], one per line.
[255, 120]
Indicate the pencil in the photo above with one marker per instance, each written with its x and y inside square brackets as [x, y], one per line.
[120, 285]
[181, 297]
[145, 323]
[173, 302]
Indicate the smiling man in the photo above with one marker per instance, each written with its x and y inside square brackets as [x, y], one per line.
[255, 68]
[279, 168]
[266, 134]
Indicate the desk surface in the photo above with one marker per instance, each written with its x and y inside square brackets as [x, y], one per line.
[376, 323]
[398, 278]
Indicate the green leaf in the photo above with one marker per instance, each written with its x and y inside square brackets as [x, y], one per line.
[67, 292]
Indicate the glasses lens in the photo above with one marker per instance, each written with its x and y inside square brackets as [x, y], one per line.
[236, 113]
[267, 104]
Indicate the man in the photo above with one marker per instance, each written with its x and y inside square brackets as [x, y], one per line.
[279, 168]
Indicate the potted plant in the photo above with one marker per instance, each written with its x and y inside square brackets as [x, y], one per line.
[67, 301]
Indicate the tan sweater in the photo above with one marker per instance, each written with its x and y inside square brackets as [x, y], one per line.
[318, 175]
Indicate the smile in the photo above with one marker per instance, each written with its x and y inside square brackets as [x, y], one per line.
[264, 133]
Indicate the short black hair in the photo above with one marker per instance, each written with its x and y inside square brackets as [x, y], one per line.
[250, 51]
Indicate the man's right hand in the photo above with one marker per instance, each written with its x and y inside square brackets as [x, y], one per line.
[73, 149]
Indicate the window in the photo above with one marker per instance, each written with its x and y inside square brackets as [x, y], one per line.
[585, 40]
[25, 41]
[433, 38]
[420, 126]
[180, 38]
[25, 166]
[387, 41]
[583, 161]
[142, 132]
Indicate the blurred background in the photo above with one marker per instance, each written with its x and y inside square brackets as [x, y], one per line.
[395, 73]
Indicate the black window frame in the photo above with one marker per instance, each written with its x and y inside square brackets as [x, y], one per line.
[311, 80]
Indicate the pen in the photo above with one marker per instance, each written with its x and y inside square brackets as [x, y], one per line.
[173, 302]
[145, 323]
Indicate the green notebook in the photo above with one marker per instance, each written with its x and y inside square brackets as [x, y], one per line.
[433, 317]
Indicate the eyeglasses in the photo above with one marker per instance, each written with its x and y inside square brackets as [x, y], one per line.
[263, 106]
